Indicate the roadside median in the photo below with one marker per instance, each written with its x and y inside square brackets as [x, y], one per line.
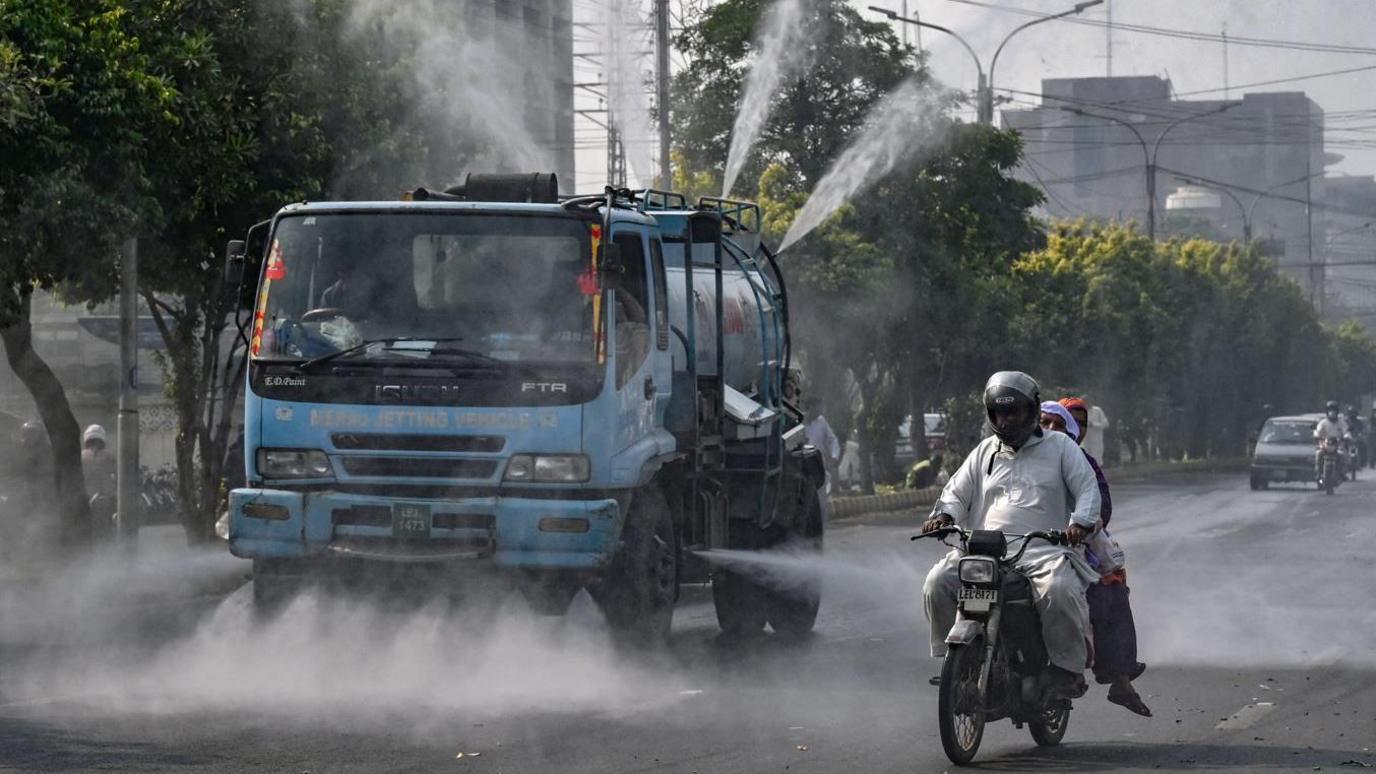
[912, 499]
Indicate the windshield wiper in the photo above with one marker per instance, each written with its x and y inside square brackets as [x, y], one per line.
[363, 346]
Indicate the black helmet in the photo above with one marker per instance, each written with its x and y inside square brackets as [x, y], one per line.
[1331, 407]
[1012, 401]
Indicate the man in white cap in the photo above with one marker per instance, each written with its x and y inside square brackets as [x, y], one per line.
[1020, 480]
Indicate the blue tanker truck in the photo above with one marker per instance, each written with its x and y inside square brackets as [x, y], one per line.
[496, 382]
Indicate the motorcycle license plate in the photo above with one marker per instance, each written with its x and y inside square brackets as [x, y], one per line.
[976, 599]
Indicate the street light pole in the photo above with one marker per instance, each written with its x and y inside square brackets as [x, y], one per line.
[979, 67]
[1151, 165]
[984, 90]
[1241, 208]
[986, 103]
[1146, 159]
[1149, 156]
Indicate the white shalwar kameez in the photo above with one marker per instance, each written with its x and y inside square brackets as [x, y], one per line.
[1033, 488]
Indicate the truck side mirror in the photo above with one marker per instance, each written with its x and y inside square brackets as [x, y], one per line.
[611, 265]
[237, 293]
[235, 252]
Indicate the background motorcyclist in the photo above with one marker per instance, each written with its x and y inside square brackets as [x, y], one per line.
[1357, 428]
[1332, 426]
[1020, 480]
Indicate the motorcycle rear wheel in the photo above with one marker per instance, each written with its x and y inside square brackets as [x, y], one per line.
[1049, 728]
[960, 712]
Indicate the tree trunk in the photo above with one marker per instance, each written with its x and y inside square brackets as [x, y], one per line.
[64, 434]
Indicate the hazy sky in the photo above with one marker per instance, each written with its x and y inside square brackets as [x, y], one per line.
[1061, 50]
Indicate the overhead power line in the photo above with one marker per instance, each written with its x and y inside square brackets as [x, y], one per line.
[1208, 37]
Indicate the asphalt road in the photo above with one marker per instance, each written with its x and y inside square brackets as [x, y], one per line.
[1254, 609]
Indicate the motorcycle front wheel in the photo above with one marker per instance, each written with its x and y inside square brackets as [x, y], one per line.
[1048, 729]
[960, 712]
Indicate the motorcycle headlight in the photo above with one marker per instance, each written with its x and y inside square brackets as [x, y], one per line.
[294, 463]
[976, 570]
[565, 468]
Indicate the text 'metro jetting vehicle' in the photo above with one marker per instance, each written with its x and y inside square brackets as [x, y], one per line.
[493, 382]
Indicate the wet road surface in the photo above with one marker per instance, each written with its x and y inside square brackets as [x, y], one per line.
[1254, 611]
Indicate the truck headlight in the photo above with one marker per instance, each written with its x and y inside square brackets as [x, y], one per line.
[565, 468]
[294, 463]
[976, 570]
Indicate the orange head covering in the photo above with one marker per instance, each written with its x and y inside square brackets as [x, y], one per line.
[1072, 404]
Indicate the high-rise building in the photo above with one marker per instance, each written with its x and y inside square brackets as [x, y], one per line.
[1253, 164]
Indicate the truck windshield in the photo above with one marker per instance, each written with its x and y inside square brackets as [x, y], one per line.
[506, 286]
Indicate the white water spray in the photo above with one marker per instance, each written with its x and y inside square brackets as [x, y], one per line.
[469, 76]
[782, 54]
[902, 125]
[625, 45]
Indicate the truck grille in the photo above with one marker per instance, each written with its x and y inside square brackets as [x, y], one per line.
[419, 467]
[430, 443]
[381, 516]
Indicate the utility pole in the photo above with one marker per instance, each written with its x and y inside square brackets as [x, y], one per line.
[127, 455]
[666, 172]
[1316, 273]
[1108, 38]
[1224, 36]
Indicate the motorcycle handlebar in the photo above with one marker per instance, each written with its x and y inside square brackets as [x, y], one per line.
[1054, 537]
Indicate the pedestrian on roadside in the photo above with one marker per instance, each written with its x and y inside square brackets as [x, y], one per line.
[925, 473]
[1110, 610]
[821, 436]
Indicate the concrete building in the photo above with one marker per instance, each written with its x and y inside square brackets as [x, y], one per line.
[1349, 251]
[1090, 144]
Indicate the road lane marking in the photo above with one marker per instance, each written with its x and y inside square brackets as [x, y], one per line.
[1247, 716]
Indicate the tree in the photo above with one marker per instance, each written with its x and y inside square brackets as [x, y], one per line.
[276, 106]
[80, 99]
[854, 63]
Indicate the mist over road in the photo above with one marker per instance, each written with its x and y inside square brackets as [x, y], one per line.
[1254, 611]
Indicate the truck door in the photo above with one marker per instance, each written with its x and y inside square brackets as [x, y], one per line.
[633, 312]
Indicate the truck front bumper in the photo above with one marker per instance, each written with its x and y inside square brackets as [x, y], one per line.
[507, 532]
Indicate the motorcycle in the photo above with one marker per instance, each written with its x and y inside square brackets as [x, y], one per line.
[995, 654]
[1330, 465]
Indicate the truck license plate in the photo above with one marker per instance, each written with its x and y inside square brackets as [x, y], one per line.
[976, 600]
[410, 521]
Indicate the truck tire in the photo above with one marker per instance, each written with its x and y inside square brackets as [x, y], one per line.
[637, 592]
[740, 603]
[273, 589]
[792, 612]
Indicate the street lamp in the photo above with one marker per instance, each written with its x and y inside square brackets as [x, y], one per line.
[979, 68]
[984, 94]
[1149, 157]
[987, 102]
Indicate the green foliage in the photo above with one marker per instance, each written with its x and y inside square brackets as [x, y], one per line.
[1183, 341]
[854, 63]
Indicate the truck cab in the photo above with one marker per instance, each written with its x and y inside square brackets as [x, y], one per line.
[479, 383]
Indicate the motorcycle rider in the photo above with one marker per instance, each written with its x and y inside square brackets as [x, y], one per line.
[1019, 480]
[1332, 426]
[1110, 609]
[1357, 428]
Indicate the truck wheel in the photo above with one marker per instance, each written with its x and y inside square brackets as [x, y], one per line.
[273, 589]
[638, 590]
[792, 612]
[740, 604]
[548, 598]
